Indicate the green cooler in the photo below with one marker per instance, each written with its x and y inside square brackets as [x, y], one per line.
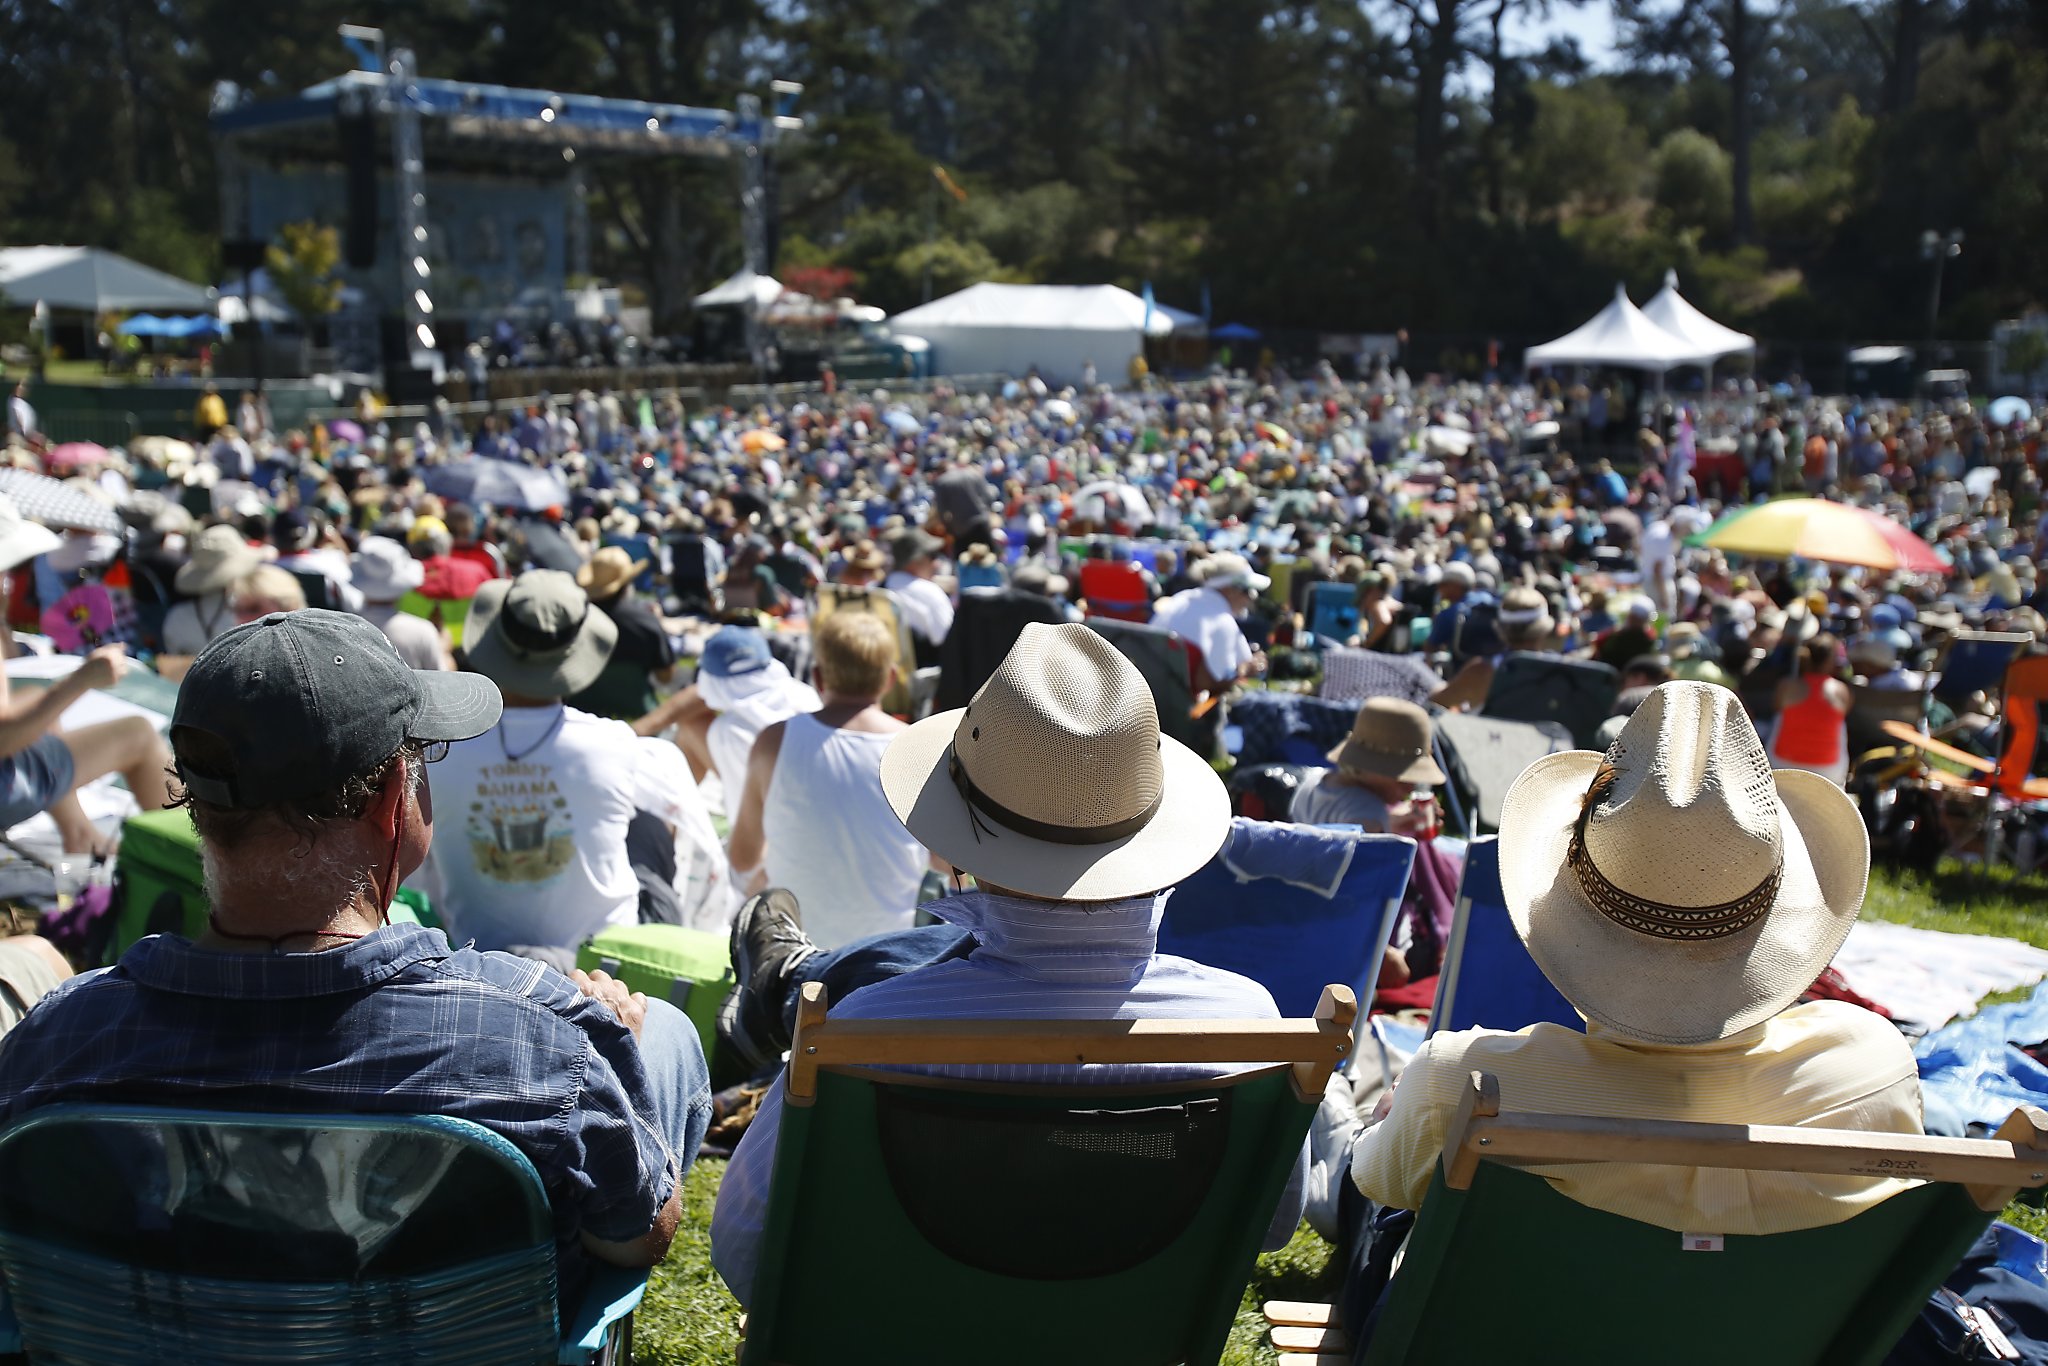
[690, 969]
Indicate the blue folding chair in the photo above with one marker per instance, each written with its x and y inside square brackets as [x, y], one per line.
[132, 1234]
[1293, 907]
[1333, 611]
[1976, 661]
[1488, 980]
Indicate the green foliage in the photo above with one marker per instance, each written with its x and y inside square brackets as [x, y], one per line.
[301, 264]
[1585, 155]
[1691, 182]
[2026, 353]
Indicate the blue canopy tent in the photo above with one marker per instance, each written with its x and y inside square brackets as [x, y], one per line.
[150, 325]
[1234, 332]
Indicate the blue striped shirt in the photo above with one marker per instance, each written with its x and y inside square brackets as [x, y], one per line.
[1032, 960]
[395, 1023]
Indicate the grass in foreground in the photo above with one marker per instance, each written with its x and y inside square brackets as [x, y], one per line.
[689, 1318]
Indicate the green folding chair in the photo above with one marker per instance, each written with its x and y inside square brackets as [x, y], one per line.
[1502, 1267]
[132, 1235]
[917, 1219]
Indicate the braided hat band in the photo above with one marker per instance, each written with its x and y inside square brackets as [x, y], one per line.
[1655, 917]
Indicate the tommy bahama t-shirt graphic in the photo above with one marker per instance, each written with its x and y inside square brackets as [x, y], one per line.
[521, 827]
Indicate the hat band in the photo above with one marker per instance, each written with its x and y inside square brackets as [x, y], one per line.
[979, 803]
[1670, 922]
[532, 640]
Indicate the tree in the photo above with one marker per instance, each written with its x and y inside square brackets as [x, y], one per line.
[1697, 36]
[2026, 354]
[301, 264]
[1691, 181]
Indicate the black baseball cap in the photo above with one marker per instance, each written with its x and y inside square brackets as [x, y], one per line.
[305, 700]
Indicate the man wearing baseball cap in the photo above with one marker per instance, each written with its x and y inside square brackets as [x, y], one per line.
[301, 742]
[1208, 618]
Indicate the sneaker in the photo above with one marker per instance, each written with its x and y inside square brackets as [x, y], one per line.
[768, 946]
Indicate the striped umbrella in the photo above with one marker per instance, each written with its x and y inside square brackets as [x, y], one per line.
[56, 504]
[1816, 529]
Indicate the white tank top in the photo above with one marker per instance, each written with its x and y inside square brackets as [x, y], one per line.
[832, 839]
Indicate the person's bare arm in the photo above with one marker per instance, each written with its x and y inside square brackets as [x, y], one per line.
[1467, 688]
[748, 847]
[25, 725]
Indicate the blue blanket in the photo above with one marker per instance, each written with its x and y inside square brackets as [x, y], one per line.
[1973, 1072]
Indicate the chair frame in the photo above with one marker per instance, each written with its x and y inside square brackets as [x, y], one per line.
[1990, 1171]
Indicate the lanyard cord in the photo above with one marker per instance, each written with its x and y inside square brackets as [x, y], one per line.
[561, 715]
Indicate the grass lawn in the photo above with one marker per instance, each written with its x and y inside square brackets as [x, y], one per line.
[689, 1319]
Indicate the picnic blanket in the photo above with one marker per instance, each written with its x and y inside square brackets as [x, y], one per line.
[1975, 1071]
[1927, 978]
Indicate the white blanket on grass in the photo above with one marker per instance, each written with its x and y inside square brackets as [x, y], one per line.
[1930, 977]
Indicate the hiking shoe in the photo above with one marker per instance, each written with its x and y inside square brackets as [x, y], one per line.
[768, 946]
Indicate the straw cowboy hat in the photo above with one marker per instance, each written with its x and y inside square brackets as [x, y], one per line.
[219, 557]
[1390, 738]
[1055, 782]
[20, 539]
[538, 635]
[1676, 889]
[608, 572]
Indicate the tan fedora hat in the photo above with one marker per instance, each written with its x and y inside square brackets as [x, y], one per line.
[219, 557]
[1390, 738]
[1675, 888]
[608, 572]
[1055, 782]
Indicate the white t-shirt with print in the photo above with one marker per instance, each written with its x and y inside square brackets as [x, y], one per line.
[530, 830]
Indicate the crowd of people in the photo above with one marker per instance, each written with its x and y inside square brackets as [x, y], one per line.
[708, 687]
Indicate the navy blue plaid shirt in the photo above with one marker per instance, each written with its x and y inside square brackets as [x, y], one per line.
[397, 1023]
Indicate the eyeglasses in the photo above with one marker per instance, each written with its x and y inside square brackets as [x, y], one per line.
[434, 751]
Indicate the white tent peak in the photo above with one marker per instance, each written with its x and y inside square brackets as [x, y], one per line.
[1671, 311]
[1066, 308]
[1621, 335]
[742, 289]
[95, 280]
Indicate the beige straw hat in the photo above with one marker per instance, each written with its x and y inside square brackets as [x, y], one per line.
[607, 573]
[1675, 888]
[1055, 782]
[219, 557]
[1392, 739]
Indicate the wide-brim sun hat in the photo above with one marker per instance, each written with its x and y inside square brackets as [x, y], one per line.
[1390, 738]
[608, 572]
[219, 557]
[1055, 781]
[1675, 888]
[20, 539]
[724, 692]
[538, 635]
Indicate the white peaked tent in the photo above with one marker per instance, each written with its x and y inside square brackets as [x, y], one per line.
[1670, 311]
[1619, 335]
[95, 281]
[742, 289]
[1008, 329]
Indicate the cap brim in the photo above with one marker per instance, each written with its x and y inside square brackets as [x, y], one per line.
[455, 706]
[1673, 992]
[1183, 835]
[725, 693]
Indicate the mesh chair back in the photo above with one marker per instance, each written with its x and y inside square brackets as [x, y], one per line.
[1578, 694]
[1858, 1284]
[1352, 675]
[1252, 909]
[1026, 1224]
[131, 1234]
[1488, 980]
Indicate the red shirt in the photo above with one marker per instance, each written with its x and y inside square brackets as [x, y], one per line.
[450, 579]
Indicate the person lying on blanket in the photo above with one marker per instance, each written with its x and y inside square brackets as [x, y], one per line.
[1681, 896]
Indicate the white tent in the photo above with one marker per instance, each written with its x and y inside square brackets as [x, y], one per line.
[1670, 311]
[1008, 329]
[742, 289]
[1618, 335]
[95, 281]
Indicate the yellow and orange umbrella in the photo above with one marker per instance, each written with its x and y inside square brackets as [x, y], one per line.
[1816, 529]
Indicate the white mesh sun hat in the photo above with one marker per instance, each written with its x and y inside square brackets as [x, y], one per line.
[1055, 782]
[1675, 888]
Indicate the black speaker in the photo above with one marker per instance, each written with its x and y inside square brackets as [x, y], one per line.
[402, 383]
[359, 168]
[242, 253]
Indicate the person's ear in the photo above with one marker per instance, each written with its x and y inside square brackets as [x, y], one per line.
[387, 809]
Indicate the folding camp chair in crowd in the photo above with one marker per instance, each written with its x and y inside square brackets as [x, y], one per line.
[132, 1235]
[1115, 589]
[1293, 907]
[1333, 611]
[1578, 694]
[1123, 1226]
[2012, 797]
[1169, 665]
[1488, 980]
[1352, 675]
[986, 627]
[1602, 1288]
[1975, 661]
[1486, 754]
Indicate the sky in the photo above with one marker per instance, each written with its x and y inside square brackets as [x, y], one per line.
[1591, 24]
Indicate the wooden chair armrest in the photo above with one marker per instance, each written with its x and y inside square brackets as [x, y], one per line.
[1314, 1046]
